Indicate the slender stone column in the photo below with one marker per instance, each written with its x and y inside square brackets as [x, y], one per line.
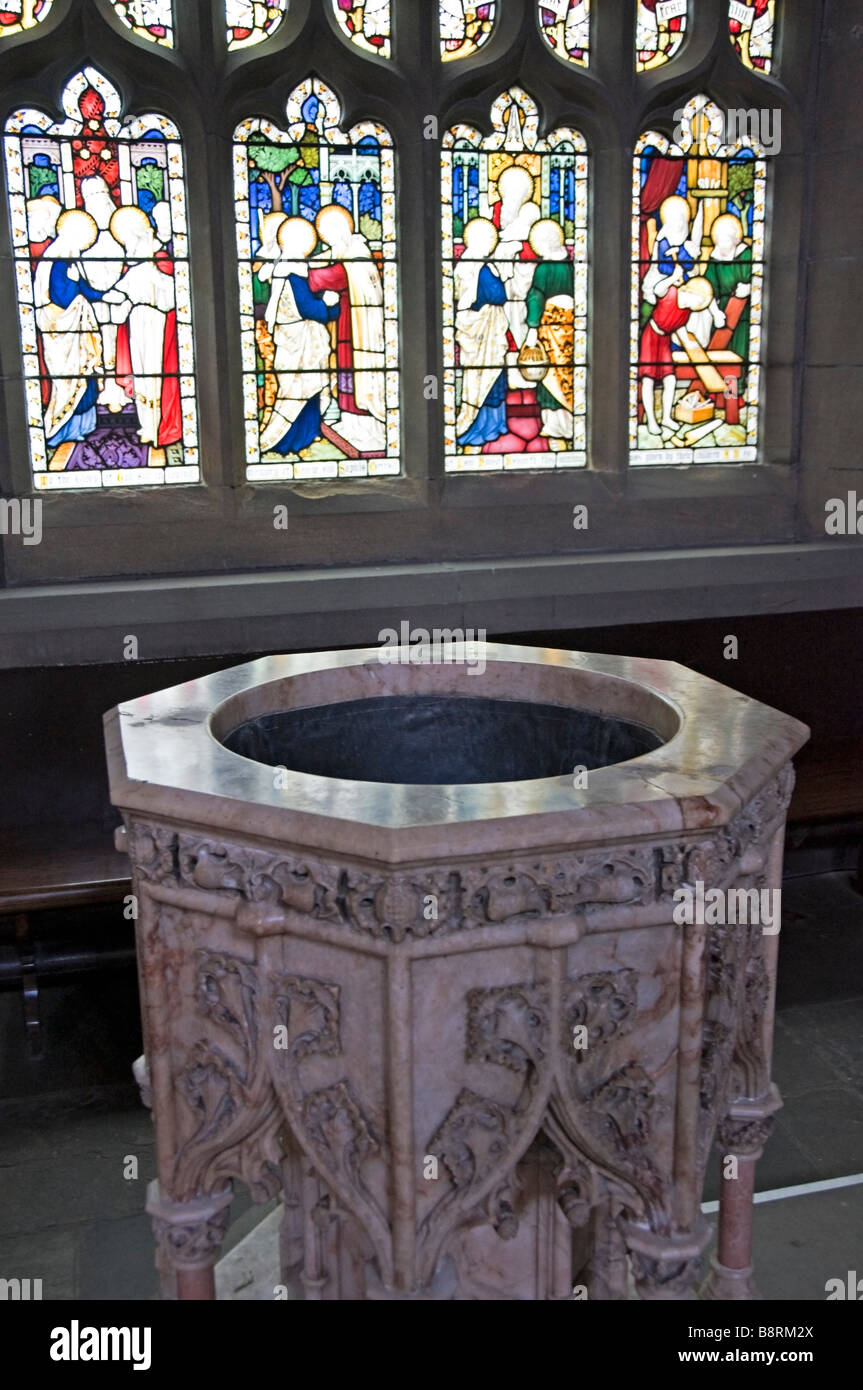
[189, 1236]
[731, 1276]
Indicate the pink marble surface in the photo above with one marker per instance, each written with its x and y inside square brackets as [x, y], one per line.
[428, 1116]
[165, 758]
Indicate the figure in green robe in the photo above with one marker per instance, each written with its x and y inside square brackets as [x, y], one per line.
[729, 270]
[550, 322]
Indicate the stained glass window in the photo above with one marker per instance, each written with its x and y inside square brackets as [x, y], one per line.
[660, 28]
[98, 212]
[514, 292]
[464, 27]
[751, 28]
[565, 26]
[17, 15]
[251, 22]
[367, 24]
[316, 238]
[697, 287]
[150, 19]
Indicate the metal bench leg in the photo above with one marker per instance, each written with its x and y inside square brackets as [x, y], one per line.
[29, 982]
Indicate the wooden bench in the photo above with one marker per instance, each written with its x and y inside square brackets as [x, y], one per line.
[827, 804]
[829, 783]
[54, 867]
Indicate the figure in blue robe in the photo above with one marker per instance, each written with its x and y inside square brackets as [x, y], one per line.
[62, 289]
[490, 422]
[307, 426]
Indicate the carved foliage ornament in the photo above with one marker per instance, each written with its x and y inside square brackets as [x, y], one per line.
[239, 1089]
[604, 1118]
[437, 900]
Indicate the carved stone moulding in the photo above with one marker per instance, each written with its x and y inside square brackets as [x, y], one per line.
[455, 1025]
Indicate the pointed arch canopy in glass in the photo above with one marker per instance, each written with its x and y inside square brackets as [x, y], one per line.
[100, 246]
[514, 293]
[316, 239]
[698, 247]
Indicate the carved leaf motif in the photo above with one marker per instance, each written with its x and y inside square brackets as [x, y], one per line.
[668, 1278]
[335, 1124]
[508, 1025]
[473, 1138]
[618, 1114]
[534, 888]
[743, 1136]
[195, 1243]
[310, 1010]
[620, 1108]
[604, 1003]
[392, 905]
[152, 849]
[228, 1088]
[751, 1071]
[716, 1038]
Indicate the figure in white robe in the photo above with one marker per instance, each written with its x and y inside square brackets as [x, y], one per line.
[71, 343]
[360, 345]
[297, 320]
[103, 266]
[481, 331]
[150, 296]
[515, 215]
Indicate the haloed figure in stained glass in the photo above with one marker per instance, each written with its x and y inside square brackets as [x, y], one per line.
[102, 264]
[148, 349]
[698, 272]
[296, 318]
[729, 272]
[343, 287]
[317, 278]
[550, 323]
[483, 336]
[677, 299]
[70, 340]
[515, 292]
[353, 275]
[98, 222]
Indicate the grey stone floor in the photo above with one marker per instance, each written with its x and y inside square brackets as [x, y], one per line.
[69, 1215]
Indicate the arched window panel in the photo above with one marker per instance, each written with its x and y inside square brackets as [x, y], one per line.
[565, 26]
[18, 15]
[514, 293]
[366, 24]
[316, 238]
[250, 22]
[751, 29]
[660, 28]
[100, 246]
[698, 244]
[149, 19]
[464, 27]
